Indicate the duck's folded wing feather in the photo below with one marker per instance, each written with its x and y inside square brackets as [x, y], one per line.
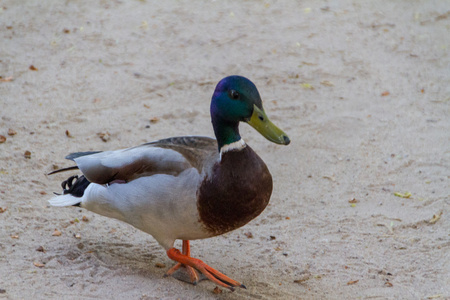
[170, 156]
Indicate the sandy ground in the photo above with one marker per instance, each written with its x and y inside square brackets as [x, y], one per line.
[361, 87]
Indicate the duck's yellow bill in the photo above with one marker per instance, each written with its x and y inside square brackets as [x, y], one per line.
[263, 125]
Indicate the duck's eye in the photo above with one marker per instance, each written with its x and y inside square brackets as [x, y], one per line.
[234, 94]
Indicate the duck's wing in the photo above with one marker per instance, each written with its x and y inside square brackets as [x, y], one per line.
[169, 156]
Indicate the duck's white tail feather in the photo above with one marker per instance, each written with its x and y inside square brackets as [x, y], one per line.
[64, 200]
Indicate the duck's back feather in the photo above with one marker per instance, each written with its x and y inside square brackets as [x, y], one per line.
[72, 156]
[197, 150]
[169, 156]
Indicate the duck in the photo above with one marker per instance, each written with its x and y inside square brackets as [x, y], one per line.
[183, 188]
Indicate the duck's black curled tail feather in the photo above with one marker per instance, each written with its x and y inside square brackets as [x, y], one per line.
[75, 188]
[73, 191]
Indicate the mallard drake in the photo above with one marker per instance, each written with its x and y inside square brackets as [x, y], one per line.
[185, 188]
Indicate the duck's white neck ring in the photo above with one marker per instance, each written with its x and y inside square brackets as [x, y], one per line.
[235, 146]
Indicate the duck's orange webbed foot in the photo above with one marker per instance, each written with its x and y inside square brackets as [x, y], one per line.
[193, 265]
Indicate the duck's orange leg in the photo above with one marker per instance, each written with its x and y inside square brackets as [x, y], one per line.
[192, 264]
[193, 276]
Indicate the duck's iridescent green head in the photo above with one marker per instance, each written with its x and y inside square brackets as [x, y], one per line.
[235, 100]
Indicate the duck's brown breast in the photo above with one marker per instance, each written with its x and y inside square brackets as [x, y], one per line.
[237, 190]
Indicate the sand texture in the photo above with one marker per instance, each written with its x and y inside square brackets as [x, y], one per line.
[361, 201]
